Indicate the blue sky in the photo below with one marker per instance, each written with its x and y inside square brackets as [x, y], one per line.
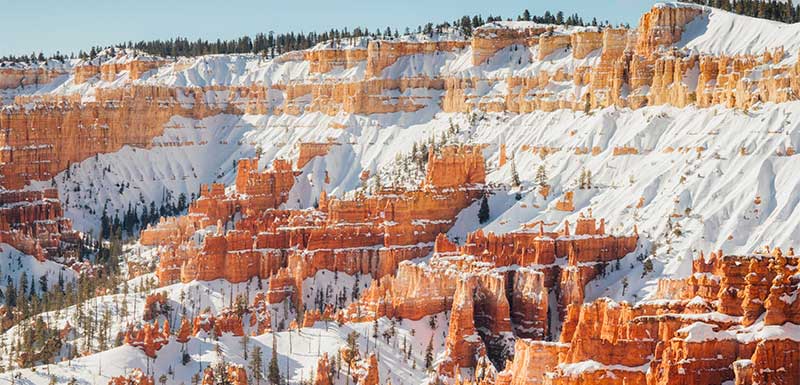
[50, 25]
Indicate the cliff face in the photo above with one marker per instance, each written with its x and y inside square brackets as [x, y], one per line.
[42, 141]
[382, 54]
[13, 77]
[491, 300]
[663, 26]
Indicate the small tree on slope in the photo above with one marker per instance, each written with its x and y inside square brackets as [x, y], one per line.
[483, 212]
[274, 375]
[255, 364]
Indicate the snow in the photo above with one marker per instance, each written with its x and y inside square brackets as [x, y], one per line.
[701, 331]
[719, 32]
[577, 368]
[13, 263]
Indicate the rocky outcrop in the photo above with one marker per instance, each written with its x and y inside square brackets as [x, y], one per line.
[326, 59]
[530, 304]
[490, 38]
[154, 305]
[41, 141]
[264, 189]
[184, 331]
[135, 377]
[463, 344]
[15, 76]
[371, 376]
[532, 360]
[456, 166]
[663, 26]
[229, 374]
[33, 222]
[383, 53]
[308, 151]
[585, 42]
[134, 67]
[371, 96]
[323, 374]
[225, 322]
[148, 337]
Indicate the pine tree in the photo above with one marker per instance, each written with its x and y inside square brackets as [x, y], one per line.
[245, 347]
[515, 182]
[429, 355]
[351, 352]
[483, 212]
[256, 361]
[274, 375]
[541, 176]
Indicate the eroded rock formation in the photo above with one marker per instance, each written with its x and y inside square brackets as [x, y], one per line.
[136, 377]
[694, 335]
[33, 222]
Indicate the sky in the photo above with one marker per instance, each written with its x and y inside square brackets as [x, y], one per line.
[68, 26]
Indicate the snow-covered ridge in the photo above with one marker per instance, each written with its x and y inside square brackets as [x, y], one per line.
[718, 32]
[532, 25]
[117, 56]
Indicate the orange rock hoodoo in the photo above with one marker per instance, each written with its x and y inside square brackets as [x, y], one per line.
[154, 305]
[33, 223]
[235, 374]
[323, 375]
[136, 377]
[362, 235]
[148, 337]
[490, 297]
[693, 334]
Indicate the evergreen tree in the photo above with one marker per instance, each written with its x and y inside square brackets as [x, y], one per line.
[429, 355]
[514, 175]
[274, 374]
[541, 176]
[483, 212]
[245, 345]
[256, 362]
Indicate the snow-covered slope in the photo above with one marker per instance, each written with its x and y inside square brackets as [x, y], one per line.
[719, 32]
